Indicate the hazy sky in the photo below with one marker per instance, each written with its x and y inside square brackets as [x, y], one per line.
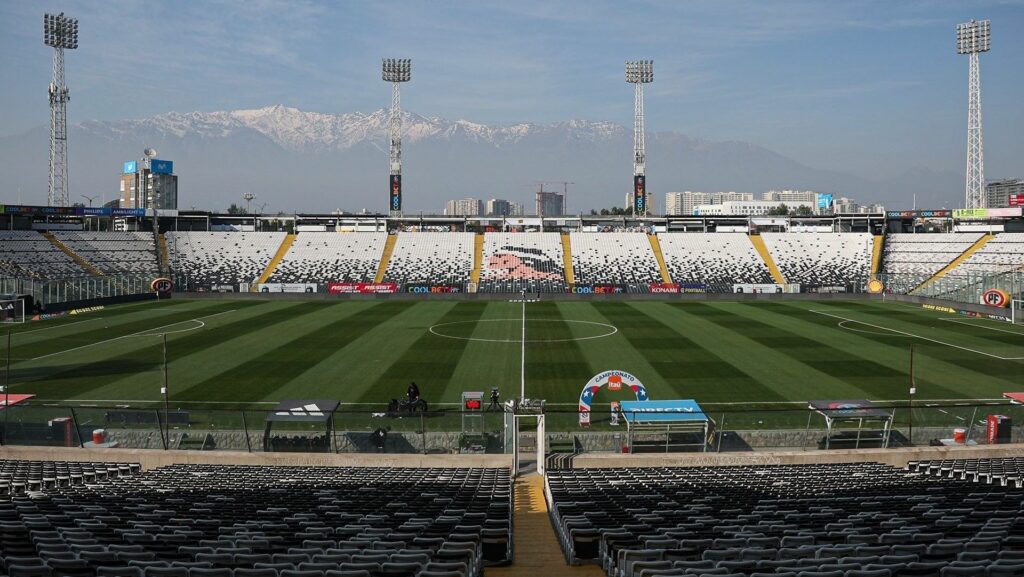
[870, 87]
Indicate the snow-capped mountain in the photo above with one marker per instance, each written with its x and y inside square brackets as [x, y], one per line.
[300, 131]
[296, 160]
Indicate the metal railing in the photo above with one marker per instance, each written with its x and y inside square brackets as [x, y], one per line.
[733, 429]
[51, 291]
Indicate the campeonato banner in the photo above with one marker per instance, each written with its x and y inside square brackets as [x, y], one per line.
[336, 288]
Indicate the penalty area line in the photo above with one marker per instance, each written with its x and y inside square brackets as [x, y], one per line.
[144, 333]
[904, 333]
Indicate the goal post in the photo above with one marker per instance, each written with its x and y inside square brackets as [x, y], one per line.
[1016, 308]
[12, 311]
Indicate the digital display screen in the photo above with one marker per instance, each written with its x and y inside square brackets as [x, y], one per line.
[395, 200]
[639, 193]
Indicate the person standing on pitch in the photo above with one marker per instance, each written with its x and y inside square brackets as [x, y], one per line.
[413, 392]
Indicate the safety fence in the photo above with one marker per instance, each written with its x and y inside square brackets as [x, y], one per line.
[450, 430]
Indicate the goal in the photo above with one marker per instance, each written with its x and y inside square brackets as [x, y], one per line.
[12, 311]
[1017, 311]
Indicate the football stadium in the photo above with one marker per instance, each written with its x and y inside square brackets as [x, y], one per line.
[819, 393]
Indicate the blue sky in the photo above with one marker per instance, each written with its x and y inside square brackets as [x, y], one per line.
[870, 87]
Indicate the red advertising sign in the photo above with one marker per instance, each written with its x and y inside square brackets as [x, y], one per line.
[664, 288]
[336, 288]
[1016, 200]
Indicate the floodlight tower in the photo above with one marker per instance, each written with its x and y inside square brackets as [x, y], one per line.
[396, 71]
[60, 32]
[973, 38]
[638, 73]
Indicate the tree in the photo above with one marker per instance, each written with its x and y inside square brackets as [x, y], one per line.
[79, 205]
[802, 210]
[781, 210]
[235, 209]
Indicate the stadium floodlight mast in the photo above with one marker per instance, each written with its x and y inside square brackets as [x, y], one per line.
[396, 71]
[638, 73]
[973, 38]
[61, 33]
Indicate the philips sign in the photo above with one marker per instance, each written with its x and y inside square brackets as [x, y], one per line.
[161, 166]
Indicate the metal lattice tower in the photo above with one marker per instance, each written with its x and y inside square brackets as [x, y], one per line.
[973, 38]
[638, 73]
[60, 32]
[396, 71]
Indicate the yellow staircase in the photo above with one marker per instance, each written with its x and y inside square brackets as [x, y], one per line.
[478, 258]
[74, 256]
[535, 549]
[766, 256]
[570, 279]
[389, 247]
[282, 250]
[165, 261]
[956, 262]
[656, 247]
[876, 254]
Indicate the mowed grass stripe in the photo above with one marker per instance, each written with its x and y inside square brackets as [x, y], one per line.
[554, 370]
[682, 362]
[430, 361]
[926, 323]
[29, 330]
[125, 325]
[775, 371]
[105, 372]
[487, 364]
[804, 343]
[261, 377]
[351, 370]
[941, 371]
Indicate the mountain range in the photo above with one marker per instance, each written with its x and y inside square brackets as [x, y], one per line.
[299, 161]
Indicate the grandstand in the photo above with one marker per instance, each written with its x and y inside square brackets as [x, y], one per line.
[503, 262]
[209, 259]
[717, 260]
[616, 259]
[316, 257]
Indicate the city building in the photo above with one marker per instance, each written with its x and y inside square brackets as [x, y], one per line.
[502, 207]
[550, 203]
[1005, 193]
[843, 205]
[148, 181]
[745, 207]
[808, 197]
[684, 203]
[464, 207]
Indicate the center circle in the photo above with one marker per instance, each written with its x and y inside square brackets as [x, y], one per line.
[451, 330]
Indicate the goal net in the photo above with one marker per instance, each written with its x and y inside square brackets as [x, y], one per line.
[1016, 311]
[12, 311]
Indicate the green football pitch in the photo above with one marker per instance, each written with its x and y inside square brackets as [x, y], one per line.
[250, 352]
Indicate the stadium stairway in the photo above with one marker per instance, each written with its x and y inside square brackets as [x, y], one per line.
[766, 256]
[978, 244]
[877, 243]
[282, 250]
[164, 260]
[536, 551]
[570, 278]
[385, 259]
[656, 247]
[74, 256]
[478, 258]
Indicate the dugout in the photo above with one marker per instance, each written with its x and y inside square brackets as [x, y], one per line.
[850, 423]
[300, 426]
[666, 426]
